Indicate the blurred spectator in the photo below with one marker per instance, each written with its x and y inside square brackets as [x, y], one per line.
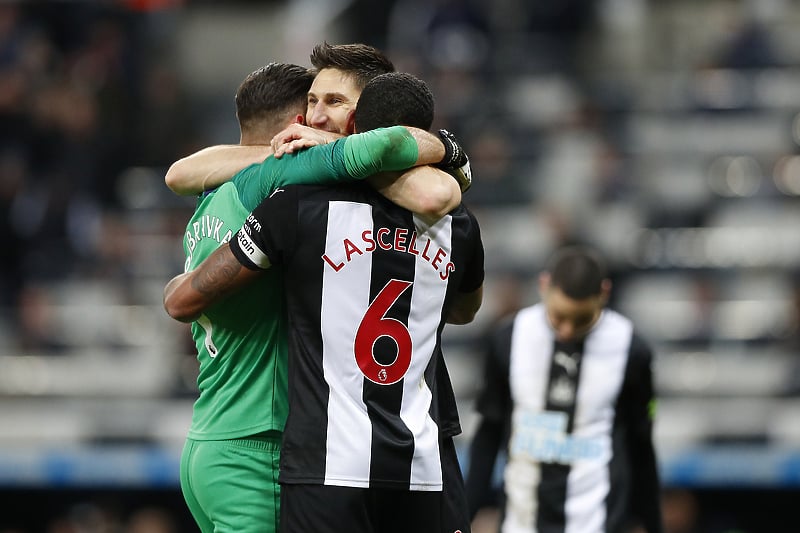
[12, 170]
[680, 511]
[151, 520]
[87, 517]
[749, 44]
[37, 331]
[165, 131]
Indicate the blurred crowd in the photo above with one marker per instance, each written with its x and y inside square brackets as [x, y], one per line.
[87, 96]
[101, 514]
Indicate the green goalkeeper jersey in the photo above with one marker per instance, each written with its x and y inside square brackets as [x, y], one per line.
[241, 340]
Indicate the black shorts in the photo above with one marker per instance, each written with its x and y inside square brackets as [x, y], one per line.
[331, 509]
[455, 512]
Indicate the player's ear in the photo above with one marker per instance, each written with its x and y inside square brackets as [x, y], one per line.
[351, 122]
[299, 119]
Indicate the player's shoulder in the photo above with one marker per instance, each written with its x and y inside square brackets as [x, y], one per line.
[640, 348]
[351, 192]
[247, 174]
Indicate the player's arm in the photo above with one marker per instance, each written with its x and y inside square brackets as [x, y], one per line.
[257, 246]
[427, 191]
[346, 159]
[392, 148]
[483, 452]
[494, 405]
[212, 166]
[638, 401]
[187, 295]
[431, 192]
[465, 307]
[470, 295]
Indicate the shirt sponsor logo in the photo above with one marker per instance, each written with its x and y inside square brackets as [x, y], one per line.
[542, 437]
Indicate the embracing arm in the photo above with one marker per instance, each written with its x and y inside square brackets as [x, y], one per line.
[212, 166]
[186, 296]
[426, 190]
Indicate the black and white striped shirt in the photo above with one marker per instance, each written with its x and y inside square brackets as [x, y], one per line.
[368, 285]
[575, 421]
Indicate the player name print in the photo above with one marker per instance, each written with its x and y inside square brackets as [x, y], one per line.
[397, 239]
[205, 227]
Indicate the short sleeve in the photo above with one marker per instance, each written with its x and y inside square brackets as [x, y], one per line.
[475, 273]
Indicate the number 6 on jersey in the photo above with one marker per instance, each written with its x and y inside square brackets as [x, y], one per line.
[375, 325]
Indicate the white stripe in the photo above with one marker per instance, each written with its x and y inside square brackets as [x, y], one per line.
[531, 345]
[345, 298]
[423, 321]
[605, 355]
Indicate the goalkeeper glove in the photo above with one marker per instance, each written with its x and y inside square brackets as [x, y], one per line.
[455, 161]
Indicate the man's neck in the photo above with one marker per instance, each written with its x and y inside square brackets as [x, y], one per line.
[254, 138]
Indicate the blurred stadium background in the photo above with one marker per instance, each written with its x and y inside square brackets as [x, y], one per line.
[666, 132]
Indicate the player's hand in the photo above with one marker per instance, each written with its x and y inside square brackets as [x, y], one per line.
[455, 161]
[294, 146]
[297, 136]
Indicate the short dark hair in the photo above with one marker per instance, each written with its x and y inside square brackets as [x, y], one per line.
[361, 61]
[394, 98]
[577, 270]
[271, 94]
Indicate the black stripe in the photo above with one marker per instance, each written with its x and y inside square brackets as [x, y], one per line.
[392, 441]
[552, 490]
[620, 471]
[308, 415]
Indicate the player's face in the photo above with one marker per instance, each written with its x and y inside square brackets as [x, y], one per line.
[571, 319]
[332, 101]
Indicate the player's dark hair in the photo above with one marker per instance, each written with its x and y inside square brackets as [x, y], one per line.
[578, 271]
[394, 98]
[269, 95]
[361, 61]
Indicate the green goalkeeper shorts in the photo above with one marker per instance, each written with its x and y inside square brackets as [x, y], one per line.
[231, 486]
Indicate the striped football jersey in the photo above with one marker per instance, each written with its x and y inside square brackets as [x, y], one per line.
[368, 285]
